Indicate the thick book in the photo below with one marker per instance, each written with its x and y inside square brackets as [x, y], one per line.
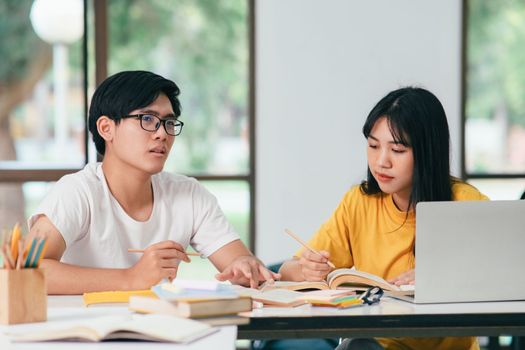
[162, 328]
[227, 320]
[195, 308]
[342, 278]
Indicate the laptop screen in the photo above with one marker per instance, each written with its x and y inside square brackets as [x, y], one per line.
[470, 251]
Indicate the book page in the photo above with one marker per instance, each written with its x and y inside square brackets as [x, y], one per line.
[146, 327]
[351, 276]
[293, 285]
[167, 328]
[325, 295]
[279, 297]
[245, 291]
[87, 329]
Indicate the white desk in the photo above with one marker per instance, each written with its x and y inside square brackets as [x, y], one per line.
[390, 318]
[63, 308]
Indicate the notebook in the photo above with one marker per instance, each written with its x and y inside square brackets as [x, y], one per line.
[469, 251]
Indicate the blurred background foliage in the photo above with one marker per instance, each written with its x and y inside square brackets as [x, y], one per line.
[496, 60]
[203, 46]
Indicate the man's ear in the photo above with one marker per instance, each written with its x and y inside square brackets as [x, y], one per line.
[106, 127]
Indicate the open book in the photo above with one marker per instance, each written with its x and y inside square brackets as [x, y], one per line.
[291, 298]
[143, 327]
[342, 278]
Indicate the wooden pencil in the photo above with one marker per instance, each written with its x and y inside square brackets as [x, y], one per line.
[298, 239]
[131, 250]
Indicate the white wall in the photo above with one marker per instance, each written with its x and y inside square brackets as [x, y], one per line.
[321, 65]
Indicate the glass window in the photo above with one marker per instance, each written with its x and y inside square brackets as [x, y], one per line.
[201, 45]
[20, 201]
[41, 84]
[495, 88]
[500, 189]
[42, 117]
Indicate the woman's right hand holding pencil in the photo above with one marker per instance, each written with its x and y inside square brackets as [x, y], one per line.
[159, 260]
[314, 265]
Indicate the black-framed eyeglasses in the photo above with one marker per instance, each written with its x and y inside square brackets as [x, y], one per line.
[151, 123]
[372, 295]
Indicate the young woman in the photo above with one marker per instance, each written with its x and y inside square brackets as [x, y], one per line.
[373, 228]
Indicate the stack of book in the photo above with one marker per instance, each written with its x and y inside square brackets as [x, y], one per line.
[211, 302]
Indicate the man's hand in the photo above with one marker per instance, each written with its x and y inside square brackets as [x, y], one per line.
[159, 260]
[314, 266]
[247, 271]
[408, 277]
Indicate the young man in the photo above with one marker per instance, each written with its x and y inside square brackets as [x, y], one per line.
[92, 217]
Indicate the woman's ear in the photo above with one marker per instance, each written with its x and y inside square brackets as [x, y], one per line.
[105, 127]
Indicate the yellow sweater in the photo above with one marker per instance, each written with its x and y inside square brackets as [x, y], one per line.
[372, 234]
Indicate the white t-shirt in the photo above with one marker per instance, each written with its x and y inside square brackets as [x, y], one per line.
[98, 231]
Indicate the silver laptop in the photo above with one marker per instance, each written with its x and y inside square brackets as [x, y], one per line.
[469, 251]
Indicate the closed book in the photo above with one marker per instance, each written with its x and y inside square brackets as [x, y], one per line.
[225, 320]
[117, 297]
[197, 308]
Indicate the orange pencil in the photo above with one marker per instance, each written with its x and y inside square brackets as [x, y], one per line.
[294, 236]
[15, 237]
[20, 256]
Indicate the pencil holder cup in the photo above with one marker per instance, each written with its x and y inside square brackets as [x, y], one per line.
[23, 296]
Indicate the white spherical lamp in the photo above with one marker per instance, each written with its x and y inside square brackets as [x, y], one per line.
[58, 21]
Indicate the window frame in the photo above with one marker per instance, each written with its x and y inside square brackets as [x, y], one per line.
[14, 174]
[466, 175]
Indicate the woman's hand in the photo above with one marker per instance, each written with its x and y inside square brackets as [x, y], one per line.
[408, 277]
[247, 270]
[314, 266]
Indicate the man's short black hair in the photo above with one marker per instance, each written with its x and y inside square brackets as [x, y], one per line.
[124, 92]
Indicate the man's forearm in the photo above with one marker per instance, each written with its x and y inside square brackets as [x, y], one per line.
[70, 279]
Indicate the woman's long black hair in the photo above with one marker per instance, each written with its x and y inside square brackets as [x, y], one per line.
[416, 119]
